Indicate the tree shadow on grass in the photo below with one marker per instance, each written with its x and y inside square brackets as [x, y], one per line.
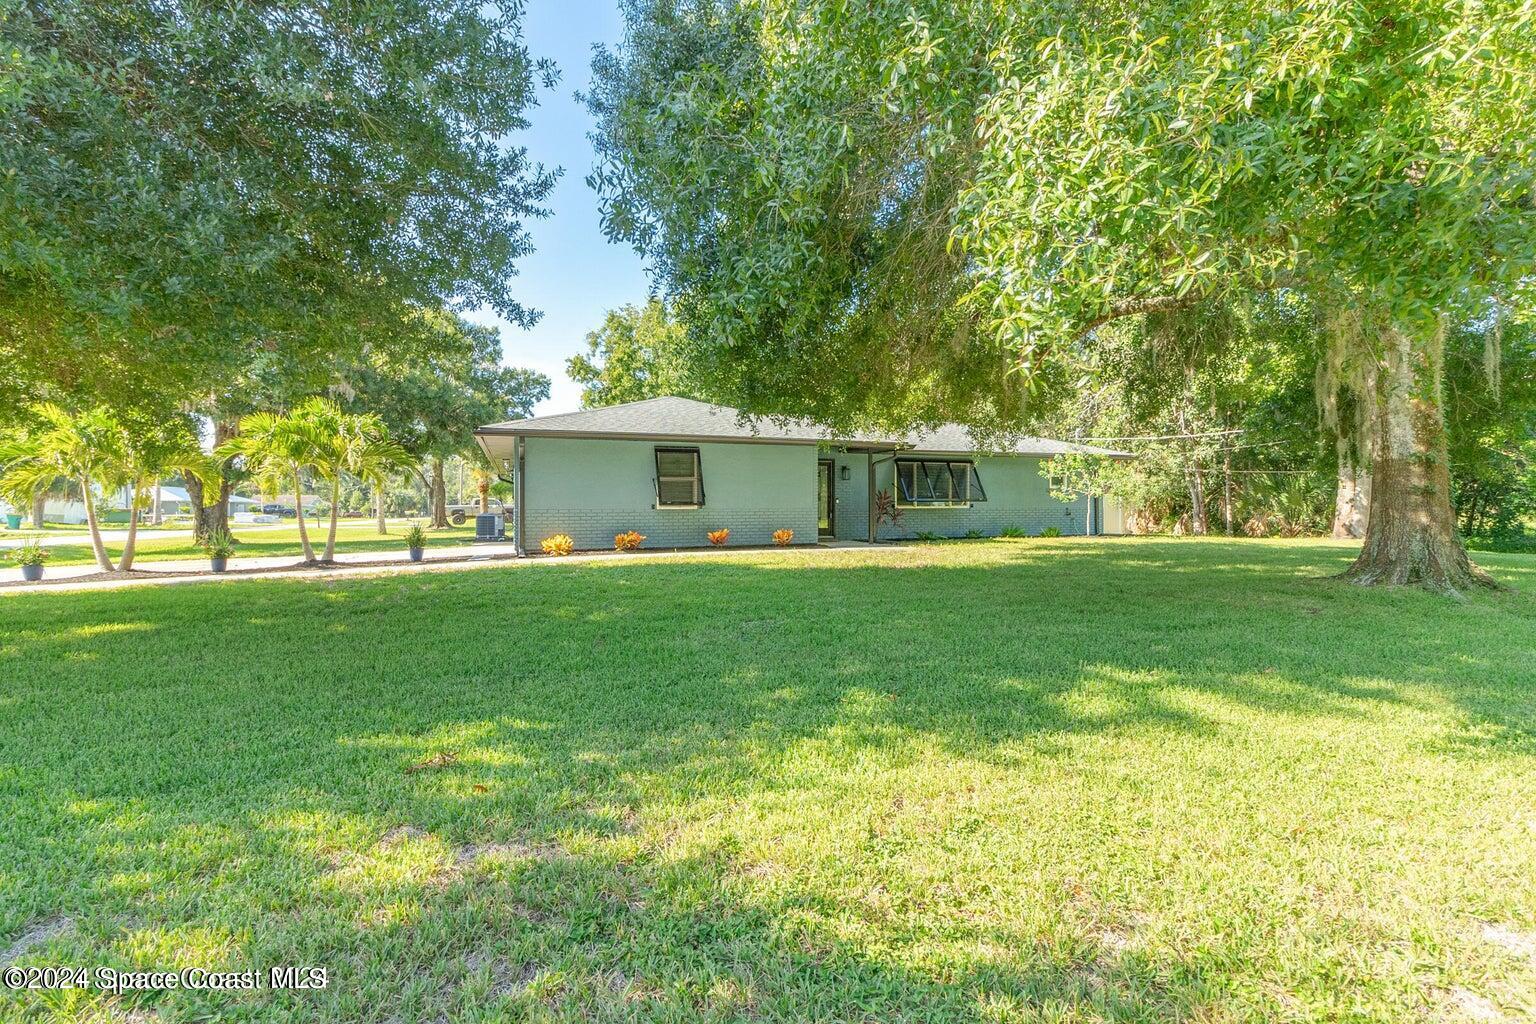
[221, 773]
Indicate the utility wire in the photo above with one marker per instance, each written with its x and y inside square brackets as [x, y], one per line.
[1165, 437]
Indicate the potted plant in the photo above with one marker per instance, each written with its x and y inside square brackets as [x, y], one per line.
[12, 521]
[219, 545]
[415, 541]
[30, 556]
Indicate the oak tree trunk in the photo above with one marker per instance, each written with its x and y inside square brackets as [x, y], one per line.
[1410, 537]
[1351, 504]
[213, 519]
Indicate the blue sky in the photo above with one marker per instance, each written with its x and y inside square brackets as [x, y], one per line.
[575, 275]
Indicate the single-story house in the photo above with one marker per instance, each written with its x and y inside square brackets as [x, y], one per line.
[114, 508]
[675, 469]
[174, 499]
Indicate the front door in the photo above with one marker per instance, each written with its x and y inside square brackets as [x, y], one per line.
[826, 505]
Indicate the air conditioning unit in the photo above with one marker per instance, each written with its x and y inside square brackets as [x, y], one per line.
[490, 527]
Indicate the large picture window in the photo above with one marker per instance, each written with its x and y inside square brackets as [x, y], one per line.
[926, 483]
[679, 478]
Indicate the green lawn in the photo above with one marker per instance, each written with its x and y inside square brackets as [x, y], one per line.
[1124, 780]
[353, 535]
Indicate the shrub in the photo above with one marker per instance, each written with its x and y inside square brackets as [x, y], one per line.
[719, 537]
[1013, 532]
[928, 536]
[628, 541]
[887, 511]
[559, 544]
[31, 552]
[219, 544]
[415, 536]
[783, 538]
[973, 535]
[1050, 531]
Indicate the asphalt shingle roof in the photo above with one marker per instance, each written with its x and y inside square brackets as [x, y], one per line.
[672, 418]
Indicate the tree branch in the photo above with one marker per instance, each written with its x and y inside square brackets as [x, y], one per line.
[1133, 307]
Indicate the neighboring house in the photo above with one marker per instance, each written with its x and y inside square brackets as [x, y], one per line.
[71, 511]
[674, 469]
[174, 499]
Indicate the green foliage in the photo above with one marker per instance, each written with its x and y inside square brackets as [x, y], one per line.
[191, 188]
[1050, 531]
[927, 537]
[29, 552]
[917, 211]
[219, 544]
[1013, 532]
[974, 535]
[638, 353]
[415, 536]
[1492, 428]
[86, 448]
[432, 395]
[1193, 393]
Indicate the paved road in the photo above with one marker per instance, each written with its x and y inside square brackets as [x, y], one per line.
[443, 559]
[196, 567]
[118, 536]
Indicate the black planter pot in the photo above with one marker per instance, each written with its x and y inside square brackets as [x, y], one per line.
[31, 573]
[218, 564]
[416, 554]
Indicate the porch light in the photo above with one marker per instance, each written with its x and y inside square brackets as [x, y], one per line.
[844, 473]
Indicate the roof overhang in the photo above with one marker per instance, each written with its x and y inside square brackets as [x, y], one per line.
[609, 435]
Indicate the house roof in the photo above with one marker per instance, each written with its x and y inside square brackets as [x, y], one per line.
[683, 419]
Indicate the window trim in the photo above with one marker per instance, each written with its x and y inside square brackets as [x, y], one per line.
[974, 490]
[697, 476]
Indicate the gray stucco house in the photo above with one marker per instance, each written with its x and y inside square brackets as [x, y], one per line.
[674, 469]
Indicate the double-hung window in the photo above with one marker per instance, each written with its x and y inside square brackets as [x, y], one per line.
[929, 483]
[679, 478]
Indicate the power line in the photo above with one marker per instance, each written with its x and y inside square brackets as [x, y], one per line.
[1166, 437]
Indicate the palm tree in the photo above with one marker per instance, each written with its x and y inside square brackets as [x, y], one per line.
[484, 478]
[375, 459]
[151, 453]
[90, 448]
[276, 448]
[360, 446]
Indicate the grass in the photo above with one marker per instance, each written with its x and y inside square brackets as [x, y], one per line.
[258, 542]
[1006, 781]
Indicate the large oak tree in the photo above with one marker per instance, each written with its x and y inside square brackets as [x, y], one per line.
[188, 187]
[919, 210]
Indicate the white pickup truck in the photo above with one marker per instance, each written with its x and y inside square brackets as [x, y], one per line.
[458, 515]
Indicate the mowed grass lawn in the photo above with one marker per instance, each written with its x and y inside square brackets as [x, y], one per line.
[351, 535]
[1109, 780]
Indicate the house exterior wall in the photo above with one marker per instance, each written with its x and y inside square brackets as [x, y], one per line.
[1017, 495]
[850, 497]
[593, 489]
